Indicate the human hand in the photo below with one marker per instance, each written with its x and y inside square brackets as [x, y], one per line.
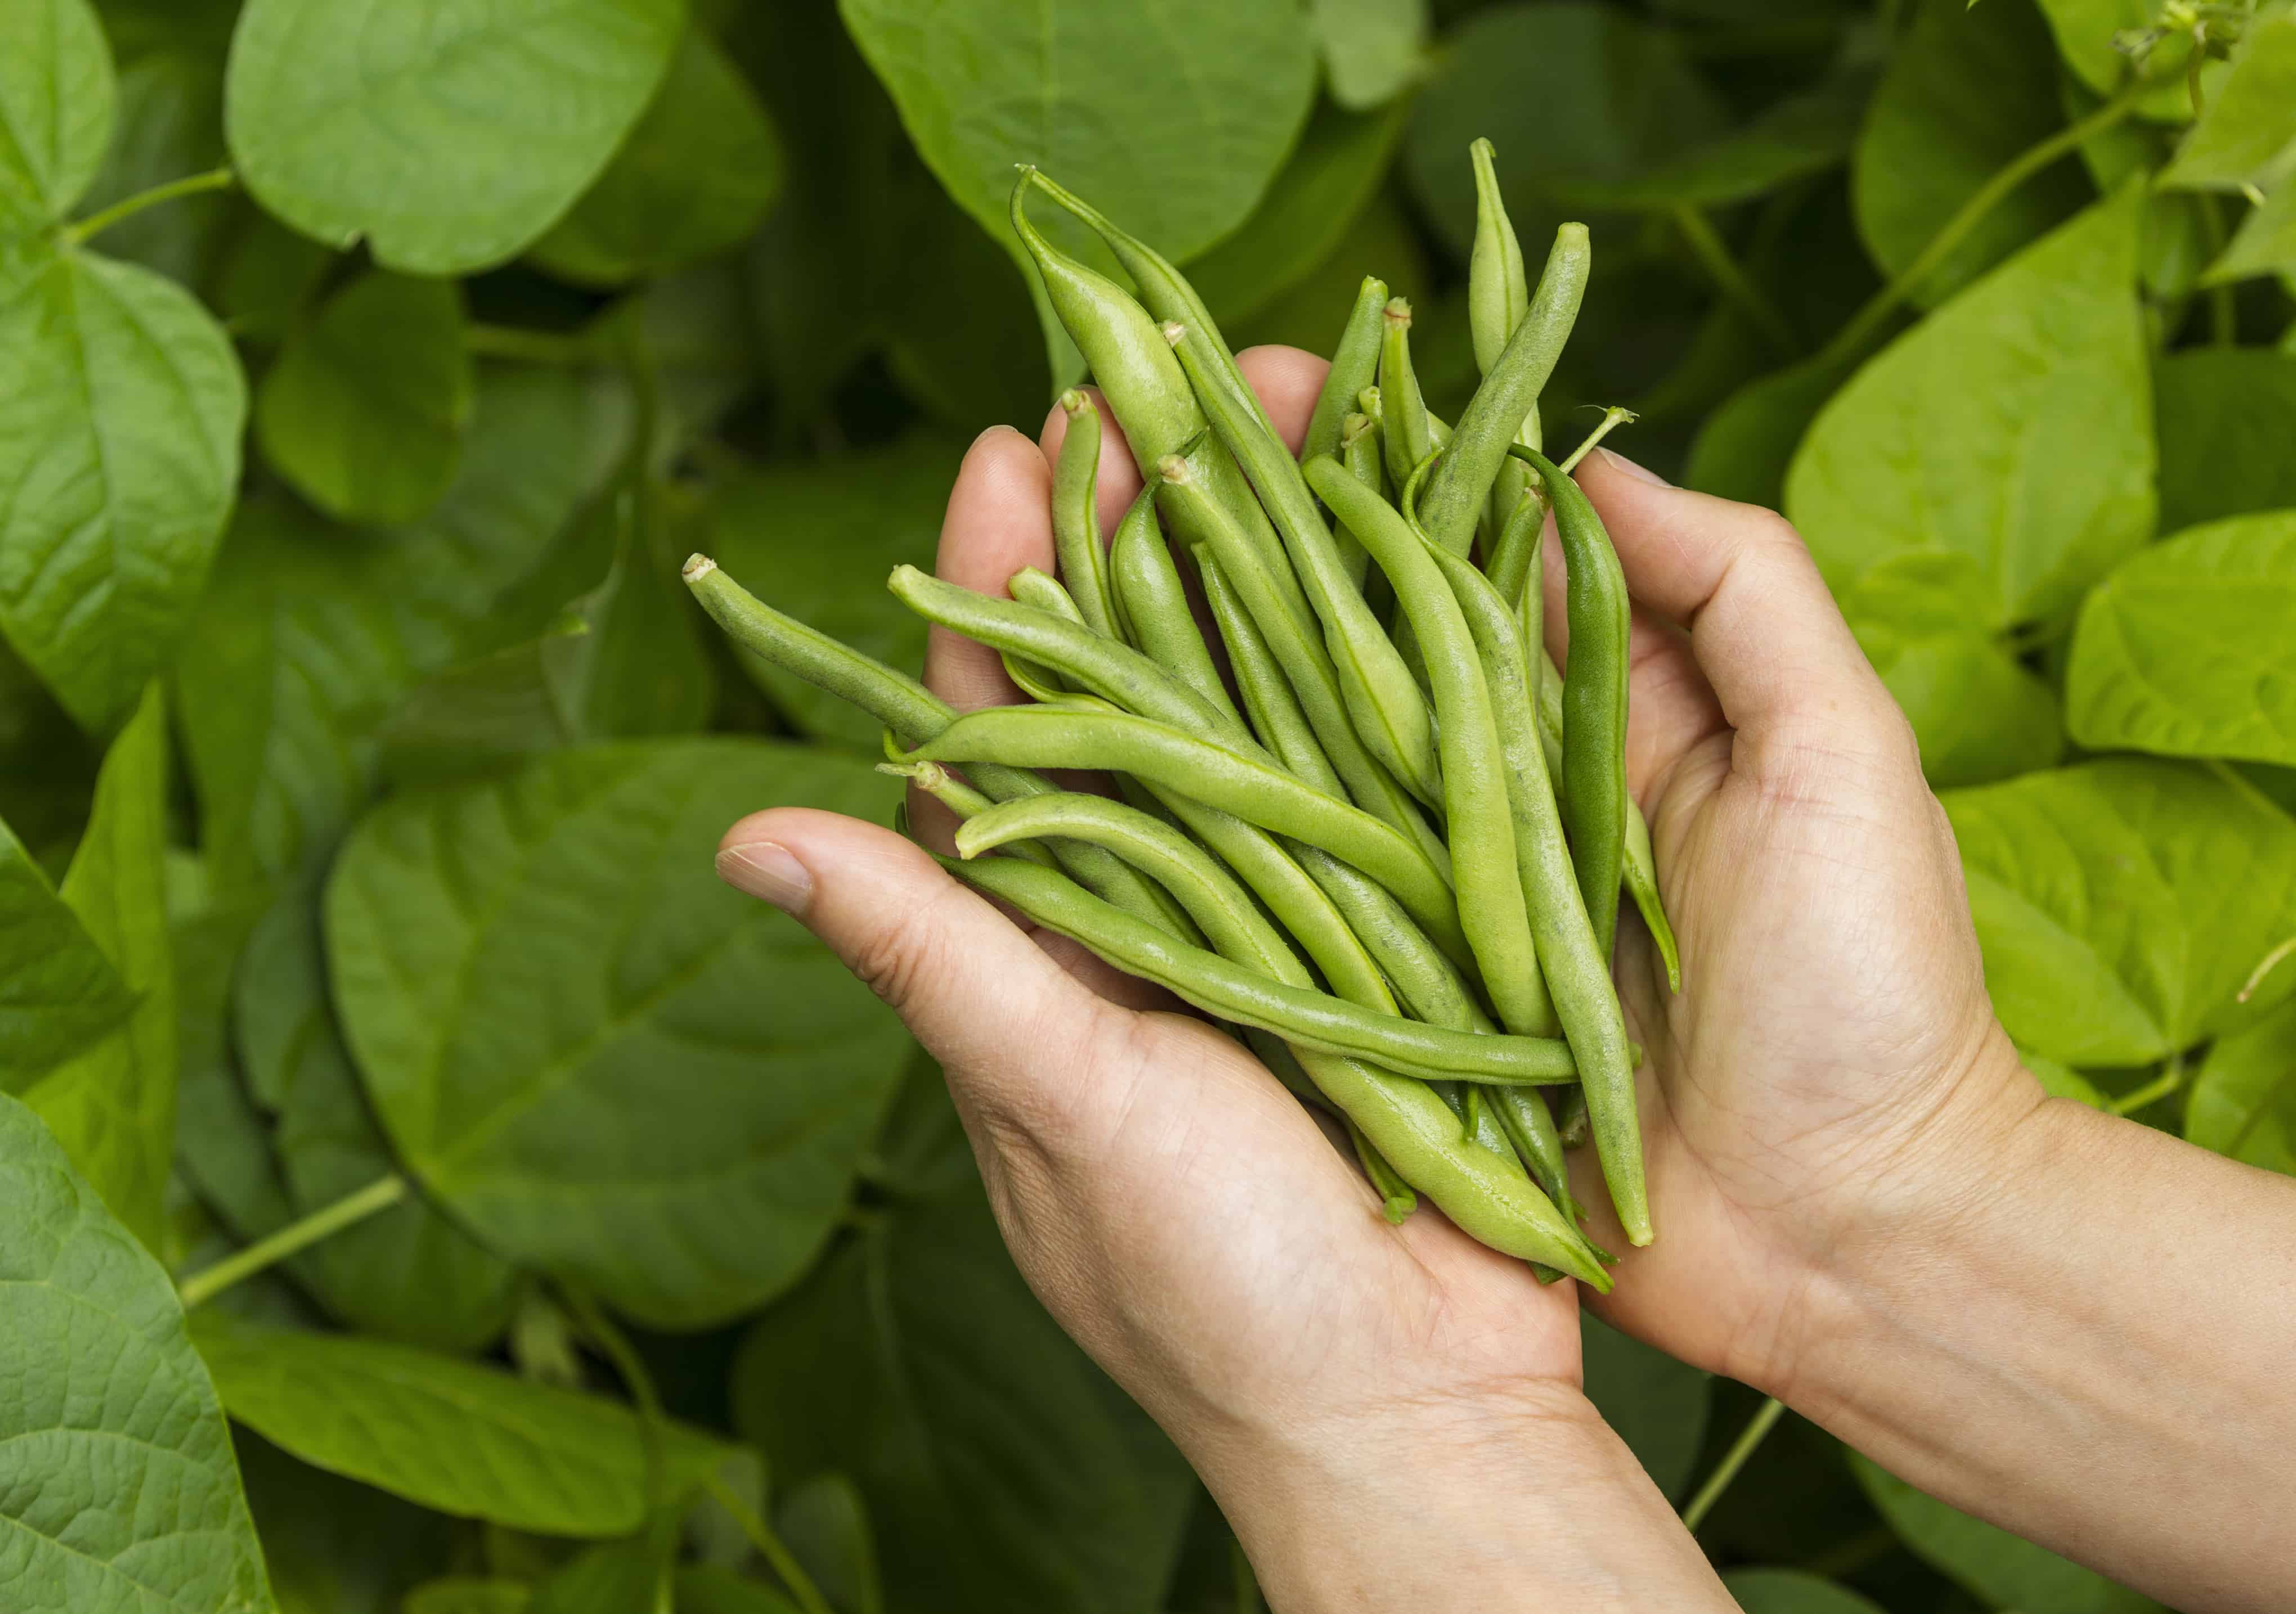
[1337, 1380]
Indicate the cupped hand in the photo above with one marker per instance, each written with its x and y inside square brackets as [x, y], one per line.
[1175, 1207]
[1812, 1097]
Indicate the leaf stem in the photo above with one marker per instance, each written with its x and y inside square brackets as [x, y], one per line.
[1755, 1431]
[2171, 1078]
[1713, 254]
[574, 350]
[2271, 961]
[1849, 341]
[296, 1237]
[214, 179]
[770, 1546]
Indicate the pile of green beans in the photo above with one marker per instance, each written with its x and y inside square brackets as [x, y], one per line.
[1360, 818]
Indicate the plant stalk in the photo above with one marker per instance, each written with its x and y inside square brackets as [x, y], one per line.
[296, 1237]
[214, 179]
[1757, 1430]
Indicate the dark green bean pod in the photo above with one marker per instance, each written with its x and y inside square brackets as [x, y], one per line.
[1354, 364]
[1397, 1200]
[1154, 603]
[1075, 513]
[1462, 483]
[914, 713]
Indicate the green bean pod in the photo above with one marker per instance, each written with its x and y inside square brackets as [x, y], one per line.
[1481, 1190]
[1075, 513]
[1404, 436]
[913, 712]
[1276, 718]
[1219, 773]
[1460, 487]
[1490, 894]
[1184, 494]
[1397, 1200]
[1577, 968]
[961, 800]
[1354, 364]
[1359, 451]
[1382, 698]
[1153, 601]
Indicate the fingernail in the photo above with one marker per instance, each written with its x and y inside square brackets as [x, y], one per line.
[1629, 468]
[986, 433]
[767, 871]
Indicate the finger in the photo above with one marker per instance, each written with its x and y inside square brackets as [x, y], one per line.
[1288, 381]
[999, 519]
[1761, 624]
[1116, 482]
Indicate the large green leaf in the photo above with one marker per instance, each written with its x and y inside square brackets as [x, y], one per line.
[450, 136]
[707, 1589]
[1330, 180]
[1171, 115]
[691, 180]
[2223, 421]
[113, 1105]
[118, 456]
[2265, 242]
[2185, 649]
[2122, 903]
[59, 992]
[55, 109]
[311, 634]
[630, 1577]
[1802, 134]
[601, 1060]
[1744, 448]
[1573, 95]
[816, 541]
[1793, 1592]
[366, 407]
[452, 1435]
[473, 1595]
[2243, 1101]
[1656, 1404]
[334, 1546]
[1966, 91]
[2007, 1570]
[2088, 34]
[1372, 49]
[119, 1493]
[1002, 1469]
[2248, 134]
[407, 1273]
[2013, 427]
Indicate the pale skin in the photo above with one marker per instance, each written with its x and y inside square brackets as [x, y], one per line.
[2067, 1323]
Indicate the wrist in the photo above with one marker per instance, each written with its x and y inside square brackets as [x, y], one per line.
[1516, 1495]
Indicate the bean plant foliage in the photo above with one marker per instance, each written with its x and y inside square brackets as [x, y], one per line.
[427, 1189]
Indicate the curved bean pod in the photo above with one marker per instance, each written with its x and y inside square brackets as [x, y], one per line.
[1153, 601]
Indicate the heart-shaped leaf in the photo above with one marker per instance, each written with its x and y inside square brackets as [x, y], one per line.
[55, 106]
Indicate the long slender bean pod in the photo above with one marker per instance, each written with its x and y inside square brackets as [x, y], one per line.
[1456, 493]
[1215, 772]
[1358, 450]
[1269, 701]
[1578, 969]
[1182, 492]
[1404, 436]
[1499, 298]
[1483, 859]
[961, 800]
[1382, 698]
[1479, 1189]
[914, 713]
[1075, 513]
[1355, 366]
[1154, 603]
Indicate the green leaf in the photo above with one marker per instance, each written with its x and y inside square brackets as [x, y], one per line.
[117, 1488]
[2243, 1101]
[2223, 414]
[59, 992]
[1308, 210]
[113, 1105]
[2086, 31]
[168, 124]
[407, 1273]
[1308, 317]
[959, 328]
[2264, 244]
[709, 1589]
[118, 456]
[55, 109]
[1001, 1467]
[819, 540]
[2007, 1570]
[471, 1595]
[1793, 1592]
[1656, 1404]
[2122, 903]
[546, 983]
[1978, 715]
[1574, 95]
[2062, 1081]
[1965, 93]
[1744, 448]
[449, 135]
[1173, 116]
[334, 1546]
[691, 181]
[2177, 228]
[1372, 49]
[2248, 134]
[824, 1523]
[2185, 649]
[2013, 427]
[451, 1436]
[1790, 139]
[629, 1576]
[365, 408]
[310, 633]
